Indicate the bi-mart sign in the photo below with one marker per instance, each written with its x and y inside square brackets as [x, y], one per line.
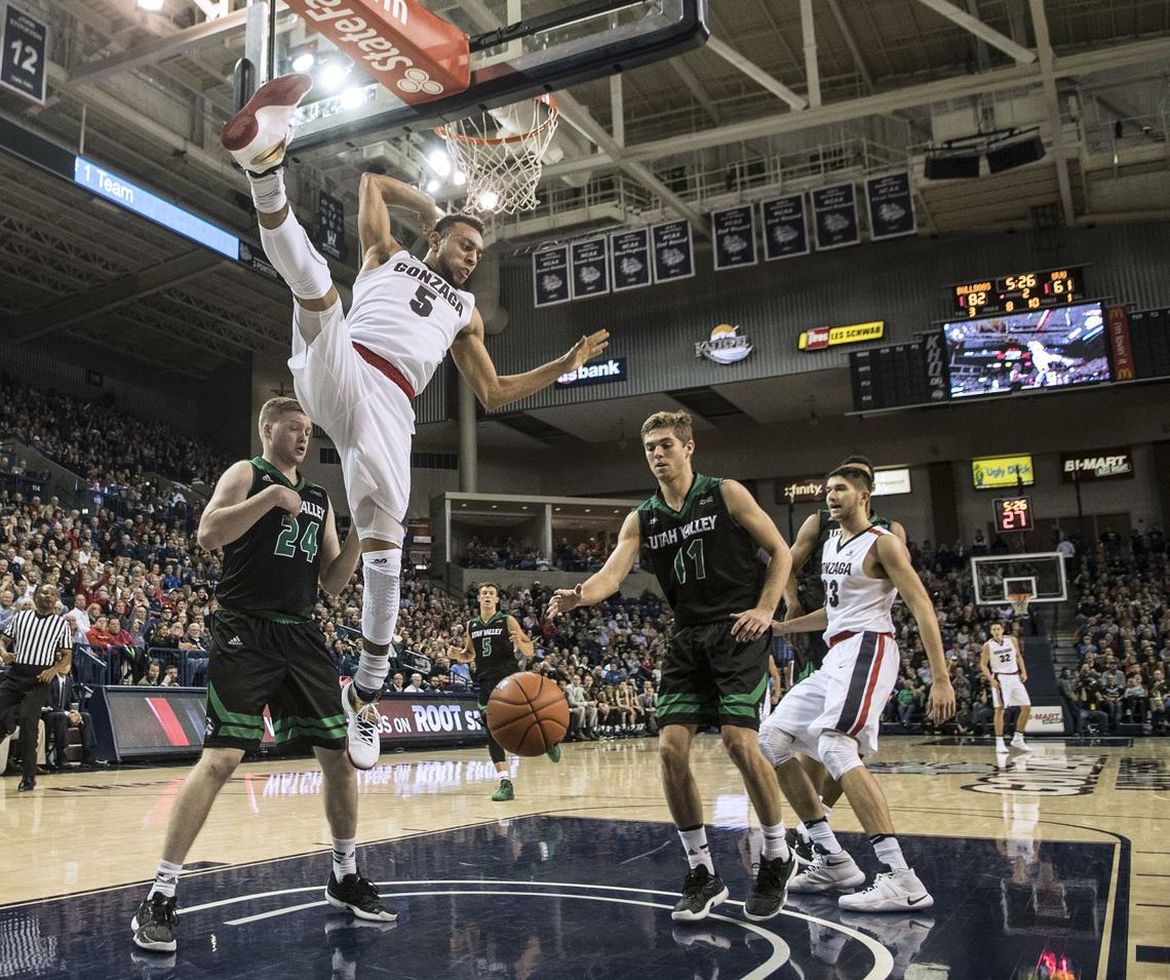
[1101, 464]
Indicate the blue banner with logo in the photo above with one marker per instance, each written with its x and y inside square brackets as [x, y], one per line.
[590, 268]
[550, 276]
[785, 227]
[331, 227]
[629, 253]
[891, 206]
[674, 253]
[835, 216]
[734, 235]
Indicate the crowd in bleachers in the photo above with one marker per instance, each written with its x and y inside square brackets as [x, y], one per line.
[587, 555]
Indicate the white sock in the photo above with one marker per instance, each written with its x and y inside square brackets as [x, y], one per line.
[999, 742]
[166, 880]
[889, 851]
[775, 846]
[344, 857]
[268, 191]
[822, 834]
[694, 842]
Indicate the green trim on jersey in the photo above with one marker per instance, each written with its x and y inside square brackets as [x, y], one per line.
[262, 464]
[700, 484]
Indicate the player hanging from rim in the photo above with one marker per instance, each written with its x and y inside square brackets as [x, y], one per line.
[810, 540]
[357, 375]
[834, 714]
[280, 544]
[490, 641]
[702, 533]
[1002, 662]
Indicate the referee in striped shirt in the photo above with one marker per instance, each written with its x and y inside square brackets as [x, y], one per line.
[37, 643]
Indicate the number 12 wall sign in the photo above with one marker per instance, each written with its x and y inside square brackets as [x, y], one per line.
[25, 50]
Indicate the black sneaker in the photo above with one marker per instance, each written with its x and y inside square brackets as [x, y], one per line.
[359, 895]
[800, 845]
[702, 891]
[770, 889]
[154, 924]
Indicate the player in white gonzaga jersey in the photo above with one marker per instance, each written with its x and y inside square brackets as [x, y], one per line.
[833, 714]
[357, 375]
[1002, 663]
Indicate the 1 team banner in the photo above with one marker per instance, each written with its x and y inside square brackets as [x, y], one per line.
[1002, 471]
[1100, 464]
[674, 253]
[331, 227]
[835, 216]
[550, 276]
[734, 233]
[785, 227]
[629, 253]
[891, 206]
[590, 268]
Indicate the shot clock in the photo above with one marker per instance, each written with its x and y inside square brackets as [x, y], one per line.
[1013, 513]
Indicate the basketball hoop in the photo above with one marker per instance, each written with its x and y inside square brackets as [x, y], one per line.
[501, 153]
[1019, 601]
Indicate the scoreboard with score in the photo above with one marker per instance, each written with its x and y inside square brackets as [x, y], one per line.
[1013, 513]
[1019, 291]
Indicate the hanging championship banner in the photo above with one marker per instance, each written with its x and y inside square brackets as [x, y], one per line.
[24, 55]
[891, 206]
[550, 276]
[629, 253]
[835, 216]
[734, 233]
[785, 227]
[590, 268]
[674, 254]
[331, 227]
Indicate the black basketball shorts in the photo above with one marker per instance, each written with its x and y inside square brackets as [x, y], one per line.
[710, 678]
[256, 662]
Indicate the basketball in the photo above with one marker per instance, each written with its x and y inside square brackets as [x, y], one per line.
[527, 714]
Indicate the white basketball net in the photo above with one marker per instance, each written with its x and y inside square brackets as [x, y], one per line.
[1019, 601]
[501, 151]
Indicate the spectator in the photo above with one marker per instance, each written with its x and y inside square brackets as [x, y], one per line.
[416, 684]
[152, 677]
[170, 677]
[63, 711]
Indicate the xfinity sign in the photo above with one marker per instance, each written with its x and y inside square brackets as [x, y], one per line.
[597, 373]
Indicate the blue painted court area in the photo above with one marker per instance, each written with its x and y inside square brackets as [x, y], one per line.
[550, 897]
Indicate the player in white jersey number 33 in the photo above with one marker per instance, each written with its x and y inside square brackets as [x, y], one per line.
[357, 375]
[833, 714]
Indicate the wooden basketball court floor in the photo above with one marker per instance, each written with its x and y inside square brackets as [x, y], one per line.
[1062, 854]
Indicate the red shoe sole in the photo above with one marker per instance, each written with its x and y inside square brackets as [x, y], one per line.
[241, 129]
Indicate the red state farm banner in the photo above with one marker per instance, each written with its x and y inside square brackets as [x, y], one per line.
[416, 54]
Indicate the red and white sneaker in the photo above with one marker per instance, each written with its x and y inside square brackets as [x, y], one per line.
[258, 135]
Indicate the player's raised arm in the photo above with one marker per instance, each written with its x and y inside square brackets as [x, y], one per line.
[895, 561]
[337, 563]
[376, 194]
[801, 550]
[605, 582]
[494, 390]
[231, 512]
[751, 624]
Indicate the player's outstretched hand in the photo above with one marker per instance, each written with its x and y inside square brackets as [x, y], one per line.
[751, 624]
[562, 601]
[587, 348]
[942, 701]
[285, 498]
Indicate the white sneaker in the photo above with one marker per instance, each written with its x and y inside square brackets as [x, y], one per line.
[891, 891]
[1019, 744]
[828, 872]
[257, 136]
[363, 744]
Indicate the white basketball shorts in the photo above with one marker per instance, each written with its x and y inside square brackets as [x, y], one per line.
[1015, 695]
[368, 417]
[847, 694]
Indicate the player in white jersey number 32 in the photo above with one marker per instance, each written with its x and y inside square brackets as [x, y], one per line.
[833, 714]
[357, 375]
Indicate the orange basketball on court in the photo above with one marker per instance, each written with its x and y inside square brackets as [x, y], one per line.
[527, 714]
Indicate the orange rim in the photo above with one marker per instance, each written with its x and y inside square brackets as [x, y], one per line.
[548, 99]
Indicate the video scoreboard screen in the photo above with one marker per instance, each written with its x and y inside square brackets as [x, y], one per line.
[1019, 291]
[899, 375]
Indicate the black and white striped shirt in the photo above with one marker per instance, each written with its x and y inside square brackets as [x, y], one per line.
[38, 638]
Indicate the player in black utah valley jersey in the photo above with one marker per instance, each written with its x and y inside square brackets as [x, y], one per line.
[702, 534]
[490, 644]
[280, 545]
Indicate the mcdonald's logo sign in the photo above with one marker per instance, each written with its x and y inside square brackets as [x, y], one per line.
[1120, 348]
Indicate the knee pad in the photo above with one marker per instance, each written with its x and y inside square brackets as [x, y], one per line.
[381, 571]
[776, 744]
[838, 752]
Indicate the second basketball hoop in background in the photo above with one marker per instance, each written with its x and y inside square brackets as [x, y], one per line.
[501, 152]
